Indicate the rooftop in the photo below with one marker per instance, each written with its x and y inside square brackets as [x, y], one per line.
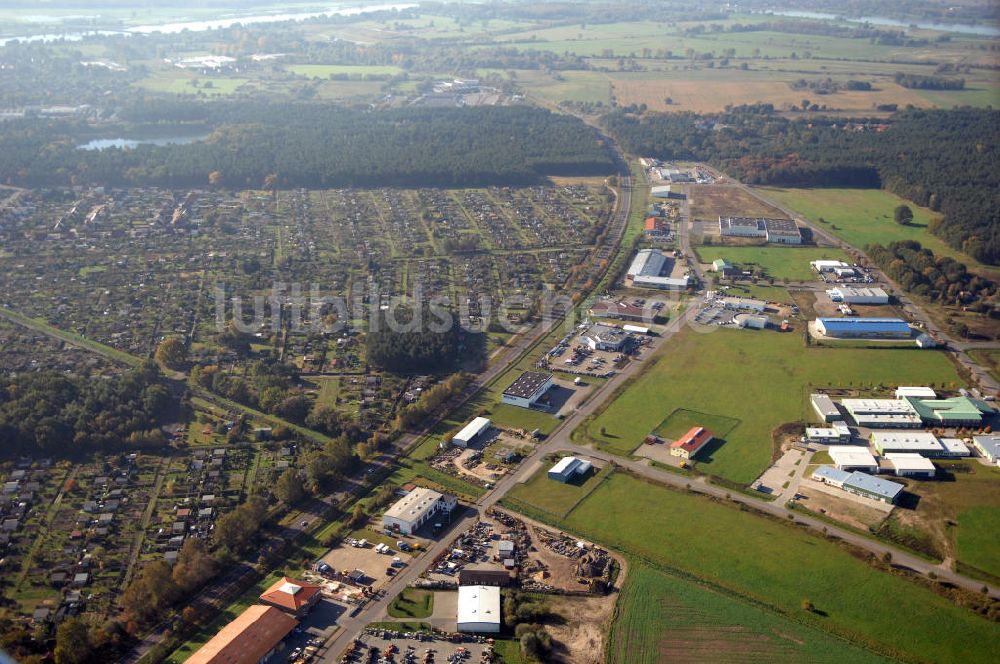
[693, 439]
[247, 639]
[868, 324]
[290, 594]
[527, 384]
[831, 474]
[875, 485]
[416, 502]
[478, 604]
[473, 428]
[910, 462]
[851, 456]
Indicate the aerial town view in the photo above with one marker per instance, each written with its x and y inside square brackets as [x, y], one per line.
[499, 331]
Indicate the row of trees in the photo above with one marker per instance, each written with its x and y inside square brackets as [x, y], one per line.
[945, 160]
[939, 278]
[49, 413]
[160, 585]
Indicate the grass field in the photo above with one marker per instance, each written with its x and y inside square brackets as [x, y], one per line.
[554, 497]
[709, 202]
[865, 216]
[763, 380]
[790, 263]
[660, 617]
[185, 83]
[325, 71]
[989, 359]
[779, 565]
[977, 538]
[412, 603]
[681, 420]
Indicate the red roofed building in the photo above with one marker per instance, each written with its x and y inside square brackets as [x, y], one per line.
[619, 310]
[251, 638]
[291, 595]
[688, 445]
[657, 227]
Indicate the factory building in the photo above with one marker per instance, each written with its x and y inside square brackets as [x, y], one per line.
[527, 389]
[989, 447]
[863, 328]
[828, 266]
[825, 408]
[479, 609]
[914, 391]
[906, 442]
[958, 411]
[415, 509]
[837, 433]
[853, 458]
[777, 231]
[470, 432]
[569, 468]
[647, 271]
[859, 484]
[849, 295]
[882, 413]
[605, 337]
[910, 465]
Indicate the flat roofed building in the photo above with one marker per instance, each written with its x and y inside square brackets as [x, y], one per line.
[910, 465]
[875, 488]
[828, 266]
[690, 443]
[915, 442]
[618, 310]
[479, 609]
[569, 467]
[527, 389]
[954, 447]
[839, 433]
[782, 231]
[415, 509]
[647, 271]
[605, 337]
[824, 407]
[853, 458]
[989, 447]
[485, 577]
[251, 638]
[858, 295]
[954, 412]
[830, 475]
[470, 432]
[915, 391]
[742, 304]
[882, 413]
[741, 227]
[293, 596]
[863, 328]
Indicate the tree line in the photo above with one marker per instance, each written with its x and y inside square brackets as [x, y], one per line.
[944, 160]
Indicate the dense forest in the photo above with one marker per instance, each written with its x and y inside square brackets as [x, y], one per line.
[314, 145]
[939, 278]
[49, 413]
[946, 160]
[421, 349]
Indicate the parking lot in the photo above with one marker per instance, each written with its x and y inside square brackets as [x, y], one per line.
[411, 647]
[346, 559]
[315, 629]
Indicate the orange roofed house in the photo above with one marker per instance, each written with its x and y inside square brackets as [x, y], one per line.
[251, 638]
[688, 445]
[292, 596]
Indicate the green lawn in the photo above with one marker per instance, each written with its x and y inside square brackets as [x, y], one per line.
[554, 497]
[790, 263]
[977, 538]
[779, 565]
[188, 84]
[683, 420]
[325, 71]
[412, 603]
[864, 216]
[762, 380]
[657, 611]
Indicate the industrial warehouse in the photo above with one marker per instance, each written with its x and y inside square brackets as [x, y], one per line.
[527, 389]
[652, 268]
[777, 231]
[415, 509]
[863, 328]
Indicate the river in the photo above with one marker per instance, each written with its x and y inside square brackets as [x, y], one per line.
[128, 143]
[196, 26]
[962, 28]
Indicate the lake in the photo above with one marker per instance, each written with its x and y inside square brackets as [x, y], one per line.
[962, 28]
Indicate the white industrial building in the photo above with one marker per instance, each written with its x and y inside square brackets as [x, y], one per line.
[742, 304]
[853, 458]
[527, 389]
[470, 432]
[914, 391]
[836, 433]
[882, 413]
[647, 268]
[911, 465]
[825, 408]
[858, 295]
[415, 509]
[605, 337]
[912, 442]
[569, 467]
[954, 447]
[828, 266]
[989, 447]
[479, 609]
[778, 231]
[752, 321]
